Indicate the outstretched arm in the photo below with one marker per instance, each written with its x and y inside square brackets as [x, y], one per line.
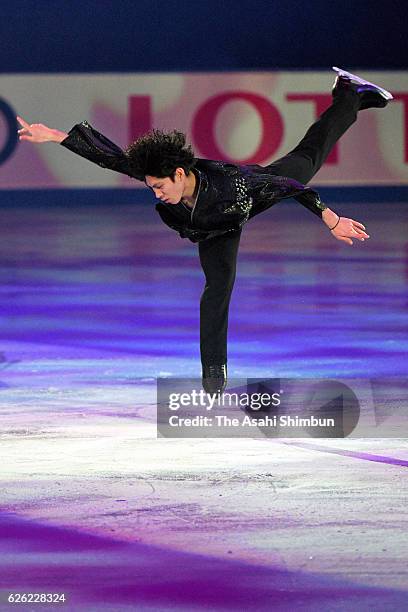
[83, 140]
[342, 228]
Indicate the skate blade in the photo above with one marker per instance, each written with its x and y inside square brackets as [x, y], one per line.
[388, 95]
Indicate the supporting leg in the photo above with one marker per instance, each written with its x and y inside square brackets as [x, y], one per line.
[218, 258]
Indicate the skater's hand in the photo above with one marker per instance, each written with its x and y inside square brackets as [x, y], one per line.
[38, 132]
[346, 229]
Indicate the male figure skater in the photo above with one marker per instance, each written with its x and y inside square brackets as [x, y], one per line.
[209, 201]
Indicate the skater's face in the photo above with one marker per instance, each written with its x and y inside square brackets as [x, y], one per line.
[169, 189]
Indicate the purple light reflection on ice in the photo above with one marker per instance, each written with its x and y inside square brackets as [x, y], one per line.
[102, 571]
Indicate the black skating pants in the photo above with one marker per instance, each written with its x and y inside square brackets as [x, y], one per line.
[218, 256]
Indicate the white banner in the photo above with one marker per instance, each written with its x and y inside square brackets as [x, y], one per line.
[243, 117]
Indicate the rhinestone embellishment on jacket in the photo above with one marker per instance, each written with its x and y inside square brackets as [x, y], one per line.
[244, 202]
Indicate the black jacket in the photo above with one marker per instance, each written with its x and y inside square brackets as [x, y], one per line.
[228, 194]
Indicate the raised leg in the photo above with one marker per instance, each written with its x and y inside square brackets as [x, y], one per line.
[307, 157]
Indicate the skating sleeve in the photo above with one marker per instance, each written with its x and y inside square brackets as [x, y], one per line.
[310, 199]
[85, 141]
[268, 189]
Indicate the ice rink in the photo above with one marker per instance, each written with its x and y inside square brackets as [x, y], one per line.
[97, 302]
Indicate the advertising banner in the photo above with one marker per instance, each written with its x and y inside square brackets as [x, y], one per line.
[243, 117]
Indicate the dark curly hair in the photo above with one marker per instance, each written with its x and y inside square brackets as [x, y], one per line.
[159, 154]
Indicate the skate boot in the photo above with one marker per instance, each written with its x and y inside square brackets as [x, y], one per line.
[371, 95]
[214, 378]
